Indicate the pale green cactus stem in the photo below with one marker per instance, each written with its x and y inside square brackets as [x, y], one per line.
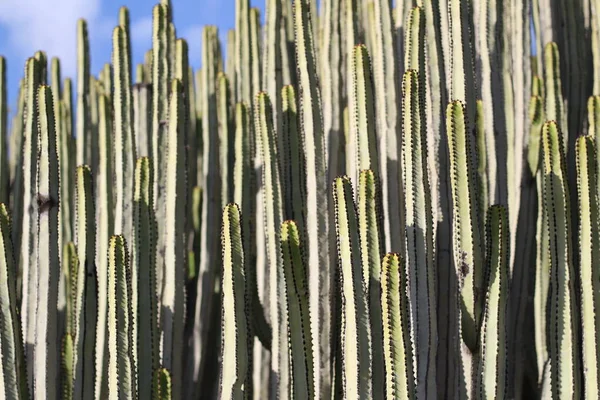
[16, 138]
[124, 159]
[16, 173]
[242, 195]
[420, 268]
[140, 74]
[363, 119]
[27, 239]
[143, 253]
[593, 112]
[162, 379]
[355, 330]
[398, 353]
[124, 22]
[67, 367]
[70, 264]
[562, 331]
[4, 171]
[462, 83]
[64, 144]
[387, 97]
[542, 274]
[236, 371]
[537, 86]
[536, 118]
[104, 221]
[369, 24]
[332, 89]
[492, 380]
[120, 370]
[192, 138]
[487, 26]
[83, 95]
[194, 253]
[369, 221]
[148, 73]
[68, 110]
[46, 352]
[198, 79]
[173, 288]
[225, 138]
[288, 57]
[14, 379]
[435, 75]
[483, 183]
[84, 291]
[468, 257]
[589, 257]
[95, 90]
[272, 56]
[297, 315]
[292, 161]
[124, 148]
[142, 117]
[106, 81]
[320, 273]
[43, 60]
[160, 110]
[350, 37]
[231, 61]
[243, 72]
[210, 260]
[554, 106]
[265, 132]
[256, 35]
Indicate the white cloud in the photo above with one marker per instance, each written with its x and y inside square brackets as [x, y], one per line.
[49, 25]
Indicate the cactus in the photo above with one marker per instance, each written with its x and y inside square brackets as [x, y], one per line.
[120, 363]
[297, 314]
[492, 381]
[561, 303]
[589, 255]
[265, 131]
[45, 354]
[84, 289]
[399, 369]
[419, 234]
[311, 123]
[13, 369]
[143, 259]
[173, 294]
[83, 95]
[235, 382]
[355, 330]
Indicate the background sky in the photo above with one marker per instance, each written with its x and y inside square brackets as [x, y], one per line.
[51, 25]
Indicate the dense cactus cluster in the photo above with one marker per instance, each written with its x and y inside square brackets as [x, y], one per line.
[360, 202]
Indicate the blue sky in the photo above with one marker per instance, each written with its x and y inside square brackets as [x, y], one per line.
[30, 25]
